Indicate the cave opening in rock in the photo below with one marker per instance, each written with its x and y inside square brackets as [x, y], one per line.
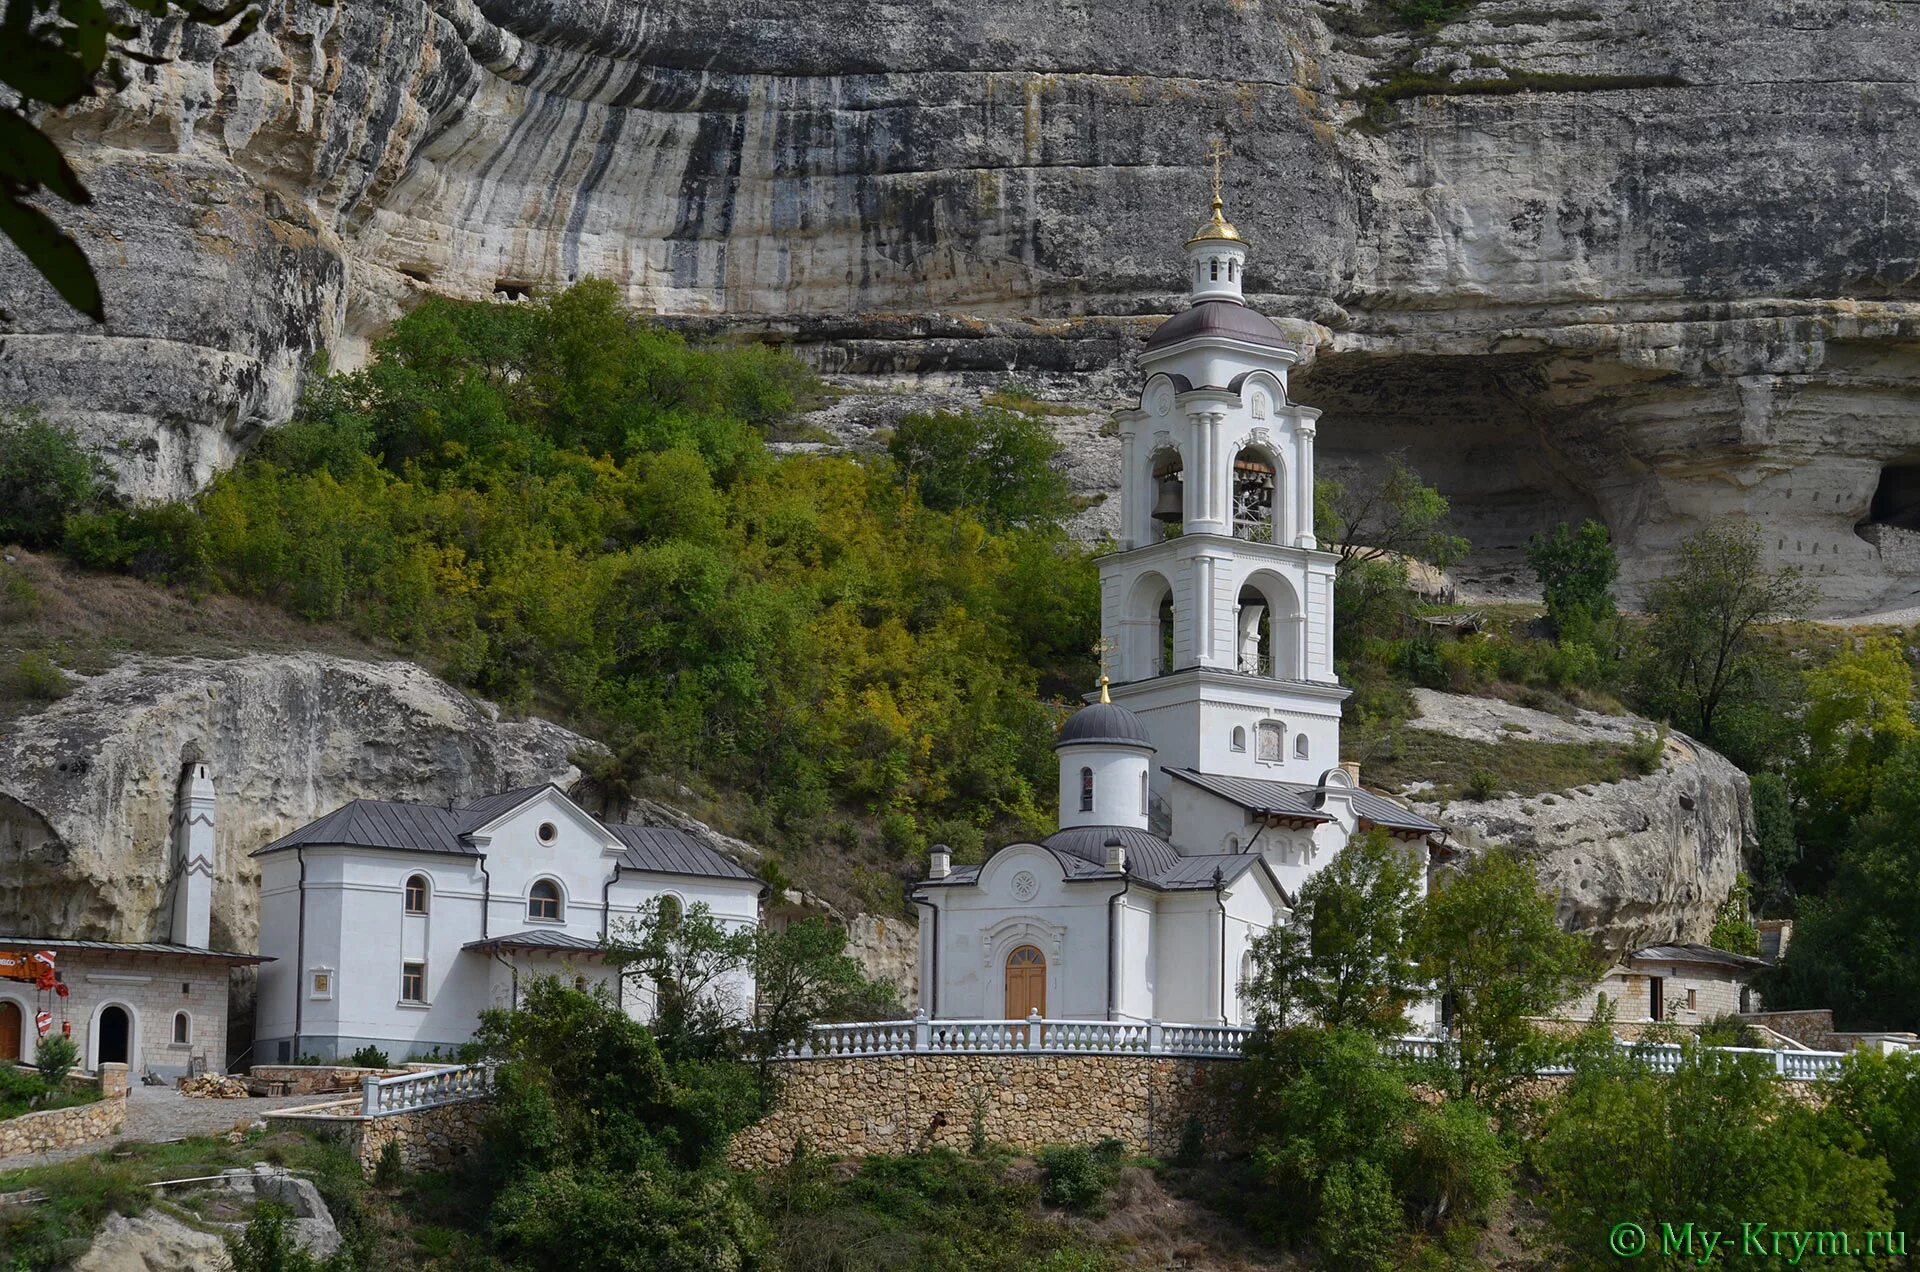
[1896, 499]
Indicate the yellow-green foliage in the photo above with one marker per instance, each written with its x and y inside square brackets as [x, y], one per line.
[562, 505]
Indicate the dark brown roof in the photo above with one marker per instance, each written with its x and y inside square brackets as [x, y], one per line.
[1223, 318]
[1702, 954]
[376, 823]
[148, 948]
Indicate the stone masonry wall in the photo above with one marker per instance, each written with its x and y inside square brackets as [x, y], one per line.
[429, 1139]
[59, 1128]
[899, 1104]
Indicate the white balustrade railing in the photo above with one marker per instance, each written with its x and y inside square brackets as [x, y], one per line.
[1038, 1035]
[382, 1097]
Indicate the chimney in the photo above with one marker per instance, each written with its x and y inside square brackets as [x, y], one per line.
[193, 859]
[1352, 768]
[1116, 853]
[941, 864]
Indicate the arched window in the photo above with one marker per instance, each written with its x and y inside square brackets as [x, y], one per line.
[1216, 269]
[1272, 743]
[1232, 269]
[670, 910]
[1145, 805]
[1300, 747]
[543, 901]
[580, 984]
[1255, 476]
[416, 894]
[182, 1029]
[1165, 661]
[1239, 742]
[1233, 843]
[1086, 790]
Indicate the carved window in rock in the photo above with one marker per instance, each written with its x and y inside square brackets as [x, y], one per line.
[416, 894]
[1270, 741]
[1086, 790]
[543, 901]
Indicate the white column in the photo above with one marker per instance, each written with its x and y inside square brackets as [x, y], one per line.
[1303, 496]
[1131, 513]
[1203, 610]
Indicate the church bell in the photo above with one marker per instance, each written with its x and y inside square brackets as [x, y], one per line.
[1169, 506]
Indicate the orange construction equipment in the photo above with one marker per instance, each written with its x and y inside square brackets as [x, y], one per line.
[36, 969]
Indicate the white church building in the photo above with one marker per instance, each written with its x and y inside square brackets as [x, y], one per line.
[1204, 787]
[395, 924]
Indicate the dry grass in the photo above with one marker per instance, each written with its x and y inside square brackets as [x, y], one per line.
[89, 623]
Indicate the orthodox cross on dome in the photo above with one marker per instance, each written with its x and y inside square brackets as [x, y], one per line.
[1102, 648]
[1215, 155]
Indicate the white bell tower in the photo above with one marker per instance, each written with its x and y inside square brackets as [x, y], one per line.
[1220, 603]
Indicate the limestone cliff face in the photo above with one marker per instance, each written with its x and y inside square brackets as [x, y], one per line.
[1634, 863]
[87, 787]
[1675, 281]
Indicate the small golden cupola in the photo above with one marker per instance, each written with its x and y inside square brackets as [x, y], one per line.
[1216, 254]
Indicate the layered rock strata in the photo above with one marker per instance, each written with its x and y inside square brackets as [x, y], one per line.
[1649, 260]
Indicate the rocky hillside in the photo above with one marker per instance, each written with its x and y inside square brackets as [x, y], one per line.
[1673, 277]
[1635, 862]
[87, 786]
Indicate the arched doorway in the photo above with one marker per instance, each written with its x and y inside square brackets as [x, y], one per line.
[115, 1032]
[10, 1026]
[1026, 982]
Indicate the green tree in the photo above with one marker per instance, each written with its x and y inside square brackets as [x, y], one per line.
[1350, 1157]
[1717, 1144]
[1576, 569]
[1342, 961]
[610, 1157]
[45, 477]
[1878, 1097]
[1733, 928]
[1857, 948]
[1776, 849]
[1859, 714]
[1488, 939]
[1700, 645]
[698, 966]
[1375, 525]
[994, 464]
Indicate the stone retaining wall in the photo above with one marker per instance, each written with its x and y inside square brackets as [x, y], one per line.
[429, 1139]
[899, 1104]
[60, 1128]
[1813, 1029]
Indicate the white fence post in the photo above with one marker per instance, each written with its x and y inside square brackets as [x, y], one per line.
[369, 1096]
[1156, 1036]
[922, 1031]
[1033, 1029]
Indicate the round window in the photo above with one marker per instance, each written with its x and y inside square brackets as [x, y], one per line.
[548, 832]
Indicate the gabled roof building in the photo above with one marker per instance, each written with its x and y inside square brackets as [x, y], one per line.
[394, 925]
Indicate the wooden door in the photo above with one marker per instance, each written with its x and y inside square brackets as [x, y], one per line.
[1026, 982]
[9, 1031]
[1657, 997]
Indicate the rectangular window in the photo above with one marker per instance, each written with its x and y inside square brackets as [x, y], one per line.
[1693, 1003]
[413, 982]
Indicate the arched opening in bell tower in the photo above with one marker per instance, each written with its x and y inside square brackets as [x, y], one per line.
[1169, 514]
[1148, 629]
[1256, 497]
[1267, 628]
